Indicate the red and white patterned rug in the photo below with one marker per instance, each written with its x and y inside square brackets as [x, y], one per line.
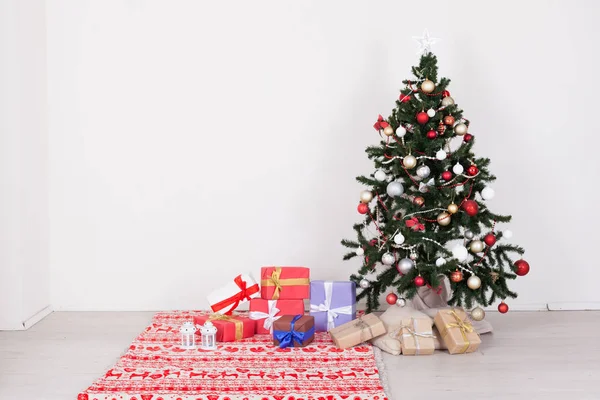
[156, 368]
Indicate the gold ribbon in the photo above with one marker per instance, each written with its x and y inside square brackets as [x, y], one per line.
[275, 280]
[239, 325]
[464, 327]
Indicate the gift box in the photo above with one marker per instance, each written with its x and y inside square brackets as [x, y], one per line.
[456, 331]
[293, 331]
[228, 297]
[355, 332]
[266, 312]
[332, 303]
[230, 328]
[285, 283]
[417, 336]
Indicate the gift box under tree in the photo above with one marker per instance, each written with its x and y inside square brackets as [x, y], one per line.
[417, 336]
[285, 283]
[358, 331]
[228, 297]
[293, 331]
[456, 331]
[266, 312]
[332, 303]
[230, 328]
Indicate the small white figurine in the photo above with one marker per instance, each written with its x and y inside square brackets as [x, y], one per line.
[188, 333]
[209, 333]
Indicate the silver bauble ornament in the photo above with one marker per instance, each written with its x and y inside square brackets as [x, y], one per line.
[507, 233]
[364, 283]
[405, 265]
[460, 252]
[460, 129]
[399, 238]
[395, 189]
[413, 256]
[388, 131]
[440, 261]
[476, 246]
[431, 113]
[469, 235]
[487, 193]
[447, 101]
[409, 161]
[444, 219]
[360, 251]
[474, 282]
[388, 258]
[427, 86]
[440, 155]
[400, 302]
[458, 169]
[380, 175]
[400, 131]
[366, 196]
[477, 314]
[423, 171]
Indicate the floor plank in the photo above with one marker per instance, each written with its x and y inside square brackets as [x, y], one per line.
[530, 355]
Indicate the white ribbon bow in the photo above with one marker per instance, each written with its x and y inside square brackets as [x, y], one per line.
[269, 317]
[332, 313]
[424, 187]
[413, 333]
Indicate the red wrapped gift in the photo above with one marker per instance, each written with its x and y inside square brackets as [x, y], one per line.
[285, 283]
[266, 312]
[230, 328]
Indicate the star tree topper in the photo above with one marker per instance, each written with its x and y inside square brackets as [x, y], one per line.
[425, 42]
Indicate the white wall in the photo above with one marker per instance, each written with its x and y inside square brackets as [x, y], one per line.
[24, 285]
[194, 140]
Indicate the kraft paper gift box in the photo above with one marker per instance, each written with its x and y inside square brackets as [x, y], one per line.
[456, 331]
[229, 328]
[332, 303]
[417, 337]
[266, 312]
[285, 283]
[355, 332]
[293, 331]
[228, 297]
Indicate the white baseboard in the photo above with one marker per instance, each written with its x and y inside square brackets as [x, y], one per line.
[574, 306]
[37, 317]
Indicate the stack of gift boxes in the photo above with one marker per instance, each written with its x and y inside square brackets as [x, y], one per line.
[277, 308]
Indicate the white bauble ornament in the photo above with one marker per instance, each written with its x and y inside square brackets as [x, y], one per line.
[395, 189]
[460, 129]
[431, 113]
[469, 235]
[405, 265]
[388, 131]
[447, 101]
[460, 252]
[444, 219]
[401, 302]
[409, 161]
[440, 261]
[427, 86]
[360, 251]
[366, 196]
[388, 258]
[440, 155]
[423, 171]
[507, 234]
[476, 246]
[364, 283]
[380, 175]
[399, 238]
[474, 282]
[477, 314]
[400, 131]
[487, 193]
[458, 169]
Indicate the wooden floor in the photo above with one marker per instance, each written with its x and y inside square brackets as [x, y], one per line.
[531, 355]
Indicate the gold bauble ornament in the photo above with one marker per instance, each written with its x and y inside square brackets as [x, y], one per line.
[452, 208]
[474, 282]
[456, 276]
[443, 218]
[476, 246]
[388, 131]
[409, 161]
[447, 101]
[366, 196]
[427, 86]
[477, 314]
[460, 129]
[449, 120]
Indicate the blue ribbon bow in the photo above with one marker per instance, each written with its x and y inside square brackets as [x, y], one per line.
[286, 338]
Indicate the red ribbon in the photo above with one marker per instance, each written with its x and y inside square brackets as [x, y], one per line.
[380, 124]
[244, 294]
[415, 224]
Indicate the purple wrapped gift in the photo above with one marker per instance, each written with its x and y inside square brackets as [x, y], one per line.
[332, 303]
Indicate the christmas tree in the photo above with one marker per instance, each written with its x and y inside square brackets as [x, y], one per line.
[425, 211]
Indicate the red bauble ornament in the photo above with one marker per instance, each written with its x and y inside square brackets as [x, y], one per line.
[445, 93]
[431, 135]
[391, 298]
[472, 170]
[471, 207]
[419, 281]
[363, 208]
[419, 201]
[522, 267]
[422, 118]
[489, 239]
[456, 276]
[503, 308]
[404, 98]
[446, 175]
[468, 137]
